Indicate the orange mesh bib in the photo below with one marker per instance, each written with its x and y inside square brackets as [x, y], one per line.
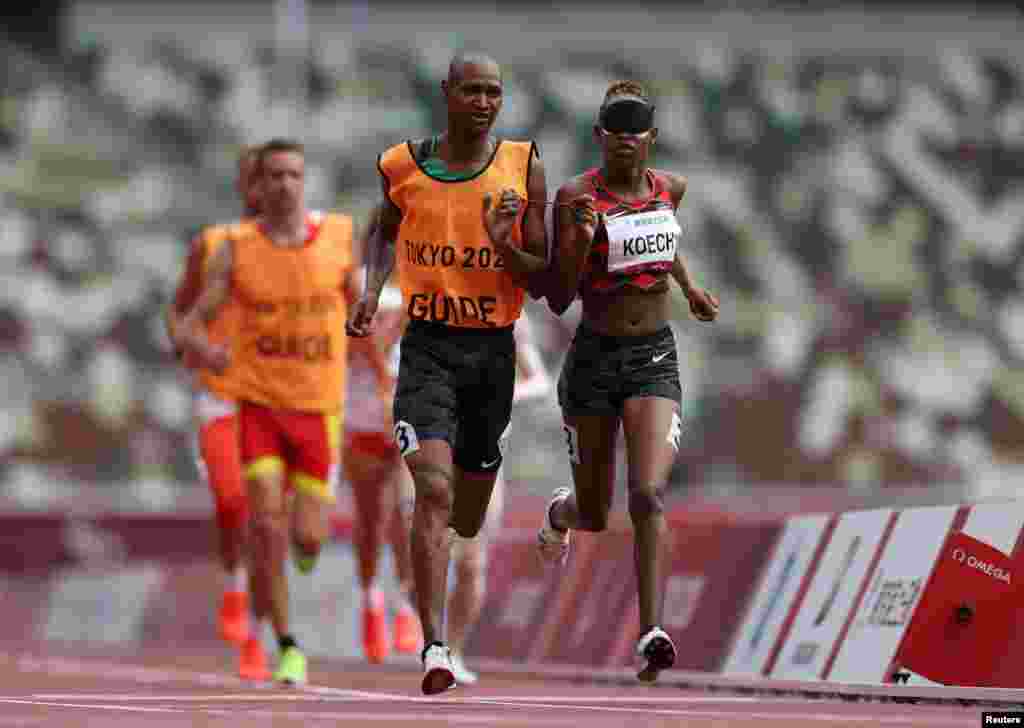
[291, 347]
[449, 271]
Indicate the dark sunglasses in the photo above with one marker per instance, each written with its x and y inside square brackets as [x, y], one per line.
[627, 116]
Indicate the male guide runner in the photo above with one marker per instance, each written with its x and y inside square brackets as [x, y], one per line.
[466, 249]
[290, 272]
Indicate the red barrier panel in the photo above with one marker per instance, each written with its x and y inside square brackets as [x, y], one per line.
[960, 629]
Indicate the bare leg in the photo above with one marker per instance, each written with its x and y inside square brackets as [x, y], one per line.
[269, 549]
[401, 525]
[593, 475]
[309, 522]
[651, 426]
[367, 476]
[433, 475]
[467, 599]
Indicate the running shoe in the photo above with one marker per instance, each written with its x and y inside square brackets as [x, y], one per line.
[375, 628]
[304, 562]
[252, 663]
[463, 675]
[234, 617]
[657, 650]
[408, 635]
[553, 543]
[437, 669]
[291, 668]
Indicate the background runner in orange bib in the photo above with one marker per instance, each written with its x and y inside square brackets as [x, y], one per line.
[215, 414]
[290, 272]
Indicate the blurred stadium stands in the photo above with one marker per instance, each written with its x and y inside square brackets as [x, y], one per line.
[856, 200]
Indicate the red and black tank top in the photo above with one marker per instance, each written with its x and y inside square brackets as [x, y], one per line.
[636, 246]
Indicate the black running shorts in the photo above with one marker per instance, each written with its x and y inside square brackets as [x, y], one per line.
[456, 384]
[601, 372]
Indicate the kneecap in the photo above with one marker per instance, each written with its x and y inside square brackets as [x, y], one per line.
[645, 502]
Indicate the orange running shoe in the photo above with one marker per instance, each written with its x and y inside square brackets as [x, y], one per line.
[375, 628]
[234, 617]
[408, 635]
[253, 661]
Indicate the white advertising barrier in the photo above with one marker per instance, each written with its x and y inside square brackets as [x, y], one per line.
[997, 524]
[791, 561]
[834, 587]
[866, 651]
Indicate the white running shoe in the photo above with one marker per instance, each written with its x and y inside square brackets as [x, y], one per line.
[437, 669]
[553, 543]
[463, 675]
[656, 649]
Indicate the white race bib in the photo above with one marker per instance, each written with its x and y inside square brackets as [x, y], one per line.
[641, 238]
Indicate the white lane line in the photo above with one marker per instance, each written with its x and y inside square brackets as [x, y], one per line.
[490, 718]
[90, 706]
[193, 698]
[623, 699]
[315, 694]
[479, 718]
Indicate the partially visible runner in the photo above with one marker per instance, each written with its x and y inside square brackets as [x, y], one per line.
[215, 415]
[617, 244]
[468, 248]
[381, 484]
[291, 273]
[469, 555]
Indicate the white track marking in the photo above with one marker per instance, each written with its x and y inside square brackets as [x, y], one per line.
[485, 718]
[91, 706]
[353, 695]
[192, 698]
[469, 718]
[625, 699]
[594, 704]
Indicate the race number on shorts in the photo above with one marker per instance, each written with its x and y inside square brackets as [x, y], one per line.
[405, 438]
[675, 431]
[572, 442]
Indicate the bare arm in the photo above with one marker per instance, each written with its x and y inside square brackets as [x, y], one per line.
[349, 287]
[526, 262]
[572, 247]
[380, 247]
[380, 261]
[527, 265]
[703, 304]
[185, 294]
[212, 297]
[680, 273]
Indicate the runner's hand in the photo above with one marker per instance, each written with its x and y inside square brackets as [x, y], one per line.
[703, 304]
[211, 356]
[585, 215]
[360, 322]
[499, 219]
